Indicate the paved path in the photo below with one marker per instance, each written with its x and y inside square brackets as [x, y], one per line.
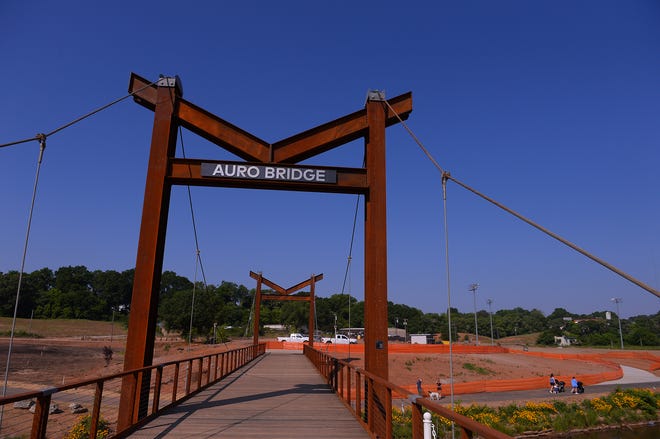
[632, 375]
[279, 395]
[631, 378]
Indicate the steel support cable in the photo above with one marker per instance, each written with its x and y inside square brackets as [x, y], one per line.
[451, 343]
[559, 238]
[81, 118]
[446, 236]
[190, 202]
[528, 221]
[198, 257]
[192, 304]
[192, 215]
[42, 147]
[349, 260]
[350, 248]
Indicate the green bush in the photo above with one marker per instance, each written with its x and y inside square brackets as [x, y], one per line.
[81, 429]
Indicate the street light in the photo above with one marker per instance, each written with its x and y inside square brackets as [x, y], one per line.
[405, 330]
[490, 311]
[473, 288]
[335, 325]
[618, 300]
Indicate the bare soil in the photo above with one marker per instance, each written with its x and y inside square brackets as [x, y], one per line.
[36, 363]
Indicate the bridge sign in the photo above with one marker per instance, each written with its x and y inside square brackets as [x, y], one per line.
[250, 171]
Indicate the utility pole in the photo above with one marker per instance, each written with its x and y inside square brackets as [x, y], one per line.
[490, 311]
[473, 288]
[618, 300]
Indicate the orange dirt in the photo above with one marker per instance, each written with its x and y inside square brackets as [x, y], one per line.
[53, 362]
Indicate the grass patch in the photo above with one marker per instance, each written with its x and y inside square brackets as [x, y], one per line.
[20, 334]
[620, 407]
[66, 327]
[478, 369]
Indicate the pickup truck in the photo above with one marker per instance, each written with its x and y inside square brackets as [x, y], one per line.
[294, 338]
[339, 339]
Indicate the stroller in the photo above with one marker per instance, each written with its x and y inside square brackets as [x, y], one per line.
[580, 387]
[558, 387]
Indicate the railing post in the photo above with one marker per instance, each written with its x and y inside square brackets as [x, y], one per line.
[96, 409]
[40, 419]
[136, 402]
[369, 395]
[358, 394]
[189, 377]
[200, 373]
[416, 419]
[388, 412]
[348, 385]
[427, 426]
[175, 386]
[157, 385]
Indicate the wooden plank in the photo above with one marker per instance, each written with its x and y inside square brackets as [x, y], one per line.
[280, 395]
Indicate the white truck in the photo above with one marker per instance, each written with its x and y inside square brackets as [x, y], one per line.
[339, 339]
[294, 338]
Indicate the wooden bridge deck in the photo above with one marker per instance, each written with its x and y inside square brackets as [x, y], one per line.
[279, 395]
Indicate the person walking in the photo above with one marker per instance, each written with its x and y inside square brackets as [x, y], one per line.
[419, 387]
[574, 385]
[553, 383]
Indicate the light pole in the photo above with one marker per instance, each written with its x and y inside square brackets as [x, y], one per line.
[473, 288]
[490, 311]
[405, 330]
[335, 326]
[112, 327]
[618, 300]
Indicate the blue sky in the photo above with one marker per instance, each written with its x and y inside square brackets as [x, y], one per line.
[549, 107]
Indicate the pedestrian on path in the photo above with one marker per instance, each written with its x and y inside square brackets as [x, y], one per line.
[419, 387]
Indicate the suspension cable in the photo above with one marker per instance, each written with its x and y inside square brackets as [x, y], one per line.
[198, 257]
[559, 238]
[192, 304]
[42, 147]
[79, 119]
[349, 259]
[190, 203]
[350, 248]
[528, 221]
[451, 343]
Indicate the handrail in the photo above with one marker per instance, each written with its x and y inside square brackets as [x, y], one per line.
[218, 366]
[363, 393]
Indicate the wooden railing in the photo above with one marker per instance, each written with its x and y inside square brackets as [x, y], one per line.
[27, 414]
[370, 399]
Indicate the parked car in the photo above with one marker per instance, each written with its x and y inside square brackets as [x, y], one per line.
[294, 338]
[339, 339]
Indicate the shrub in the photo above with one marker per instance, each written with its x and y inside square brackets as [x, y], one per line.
[81, 429]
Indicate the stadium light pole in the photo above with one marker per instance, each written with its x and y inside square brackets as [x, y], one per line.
[490, 311]
[618, 300]
[473, 288]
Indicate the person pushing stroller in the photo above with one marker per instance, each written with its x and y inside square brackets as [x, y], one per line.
[556, 385]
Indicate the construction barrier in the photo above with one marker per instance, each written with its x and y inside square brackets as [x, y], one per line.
[604, 358]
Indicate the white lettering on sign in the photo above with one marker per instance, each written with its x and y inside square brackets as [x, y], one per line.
[266, 172]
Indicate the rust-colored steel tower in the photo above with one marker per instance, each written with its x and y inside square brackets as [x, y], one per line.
[264, 166]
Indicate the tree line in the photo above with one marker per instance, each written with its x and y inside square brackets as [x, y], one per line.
[77, 293]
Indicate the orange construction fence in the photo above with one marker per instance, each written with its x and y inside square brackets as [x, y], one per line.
[605, 358]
